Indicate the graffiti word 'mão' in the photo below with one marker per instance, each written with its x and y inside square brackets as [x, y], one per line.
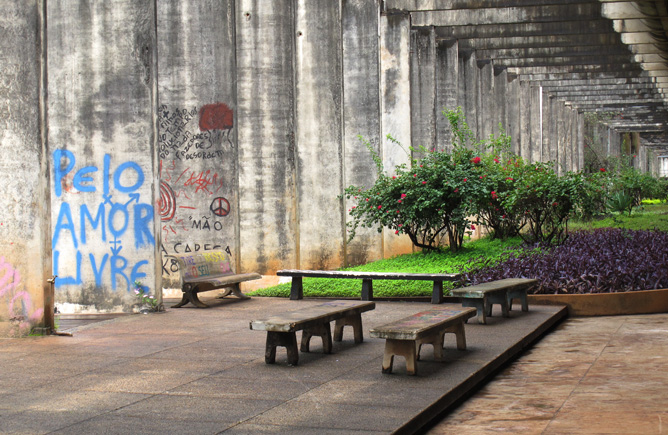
[113, 215]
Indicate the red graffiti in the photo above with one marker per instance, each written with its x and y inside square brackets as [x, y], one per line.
[215, 117]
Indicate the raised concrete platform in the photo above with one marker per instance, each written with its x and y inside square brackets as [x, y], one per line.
[193, 370]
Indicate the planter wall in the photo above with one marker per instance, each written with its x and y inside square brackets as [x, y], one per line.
[608, 304]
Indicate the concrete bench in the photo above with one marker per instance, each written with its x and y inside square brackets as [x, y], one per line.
[312, 321]
[206, 271]
[297, 290]
[406, 336]
[502, 292]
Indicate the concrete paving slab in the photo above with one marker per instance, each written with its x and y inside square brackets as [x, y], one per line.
[597, 375]
[193, 370]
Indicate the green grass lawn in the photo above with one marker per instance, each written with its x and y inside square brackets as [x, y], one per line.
[651, 215]
[648, 217]
[419, 262]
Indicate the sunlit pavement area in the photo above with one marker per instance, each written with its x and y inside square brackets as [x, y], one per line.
[202, 371]
[595, 375]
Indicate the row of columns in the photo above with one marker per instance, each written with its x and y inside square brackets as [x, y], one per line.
[542, 127]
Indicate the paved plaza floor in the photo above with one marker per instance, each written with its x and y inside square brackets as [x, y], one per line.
[202, 371]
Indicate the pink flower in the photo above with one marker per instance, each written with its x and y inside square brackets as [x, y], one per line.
[414, 175]
[394, 177]
[496, 160]
[456, 190]
[465, 180]
[424, 182]
[510, 178]
[481, 177]
[403, 195]
[367, 199]
[494, 194]
[555, 204]
[396, 232]
[379, 207]
[475, 160]
[602, 169]
[473, 227]
[400, 225]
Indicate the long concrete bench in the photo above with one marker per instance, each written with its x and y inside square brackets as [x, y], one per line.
[297, 290]
[312, 321]
[501, 292]
[207, 271]
[406, 336]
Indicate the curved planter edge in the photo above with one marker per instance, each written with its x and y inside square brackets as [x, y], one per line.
[608, 304]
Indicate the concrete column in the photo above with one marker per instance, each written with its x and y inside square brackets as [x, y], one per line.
[197, 131]
[266, 135]
[423, 89]
[447, 89]
[525, 112]
[319, 130]
[562, 136]
[580, 128]
[550, 150]
[395, 105]
[361, 113]
[469, 89]
[513, 104]
[101, 139]
[486, 101]
[499, 102]
[25, 238]
[536, 119]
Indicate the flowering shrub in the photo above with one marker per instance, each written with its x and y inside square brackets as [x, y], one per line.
[426, 202]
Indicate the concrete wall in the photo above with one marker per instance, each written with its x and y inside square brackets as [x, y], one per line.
[134, 130]
[24, 225]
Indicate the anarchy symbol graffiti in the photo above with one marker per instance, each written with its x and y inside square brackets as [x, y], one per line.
[220, 206]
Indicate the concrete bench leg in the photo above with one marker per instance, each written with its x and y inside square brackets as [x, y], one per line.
[322, 330]
[405, 348]
[286, 339]
[522, 296]
[458, 330]
[435, 340]
[355, 321]
[190, 295]
[235, 290]
[501, 300]
[481, 307]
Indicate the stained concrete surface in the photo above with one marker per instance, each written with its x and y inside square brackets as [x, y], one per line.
[596, 375]
[195, 370]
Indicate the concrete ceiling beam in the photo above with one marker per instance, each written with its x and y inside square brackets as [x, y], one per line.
[506, 15]
[583, 63]
[629, 10]
[594, 26]
[516, 53]
[575, 40]
[432, 5]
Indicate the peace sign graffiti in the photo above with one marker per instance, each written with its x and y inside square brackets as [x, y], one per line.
[220, 206]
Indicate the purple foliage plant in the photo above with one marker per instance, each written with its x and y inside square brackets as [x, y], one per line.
[598, 261]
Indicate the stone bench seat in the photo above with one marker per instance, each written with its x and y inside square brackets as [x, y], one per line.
[297, 290]
[207, 271]
[406, 336]
[312, 321]
[502, 292]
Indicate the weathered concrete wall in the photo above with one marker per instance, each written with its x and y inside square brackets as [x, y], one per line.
[265, 132]
[24, 226]
[173, 127]
[197, 136]
[101, 133]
